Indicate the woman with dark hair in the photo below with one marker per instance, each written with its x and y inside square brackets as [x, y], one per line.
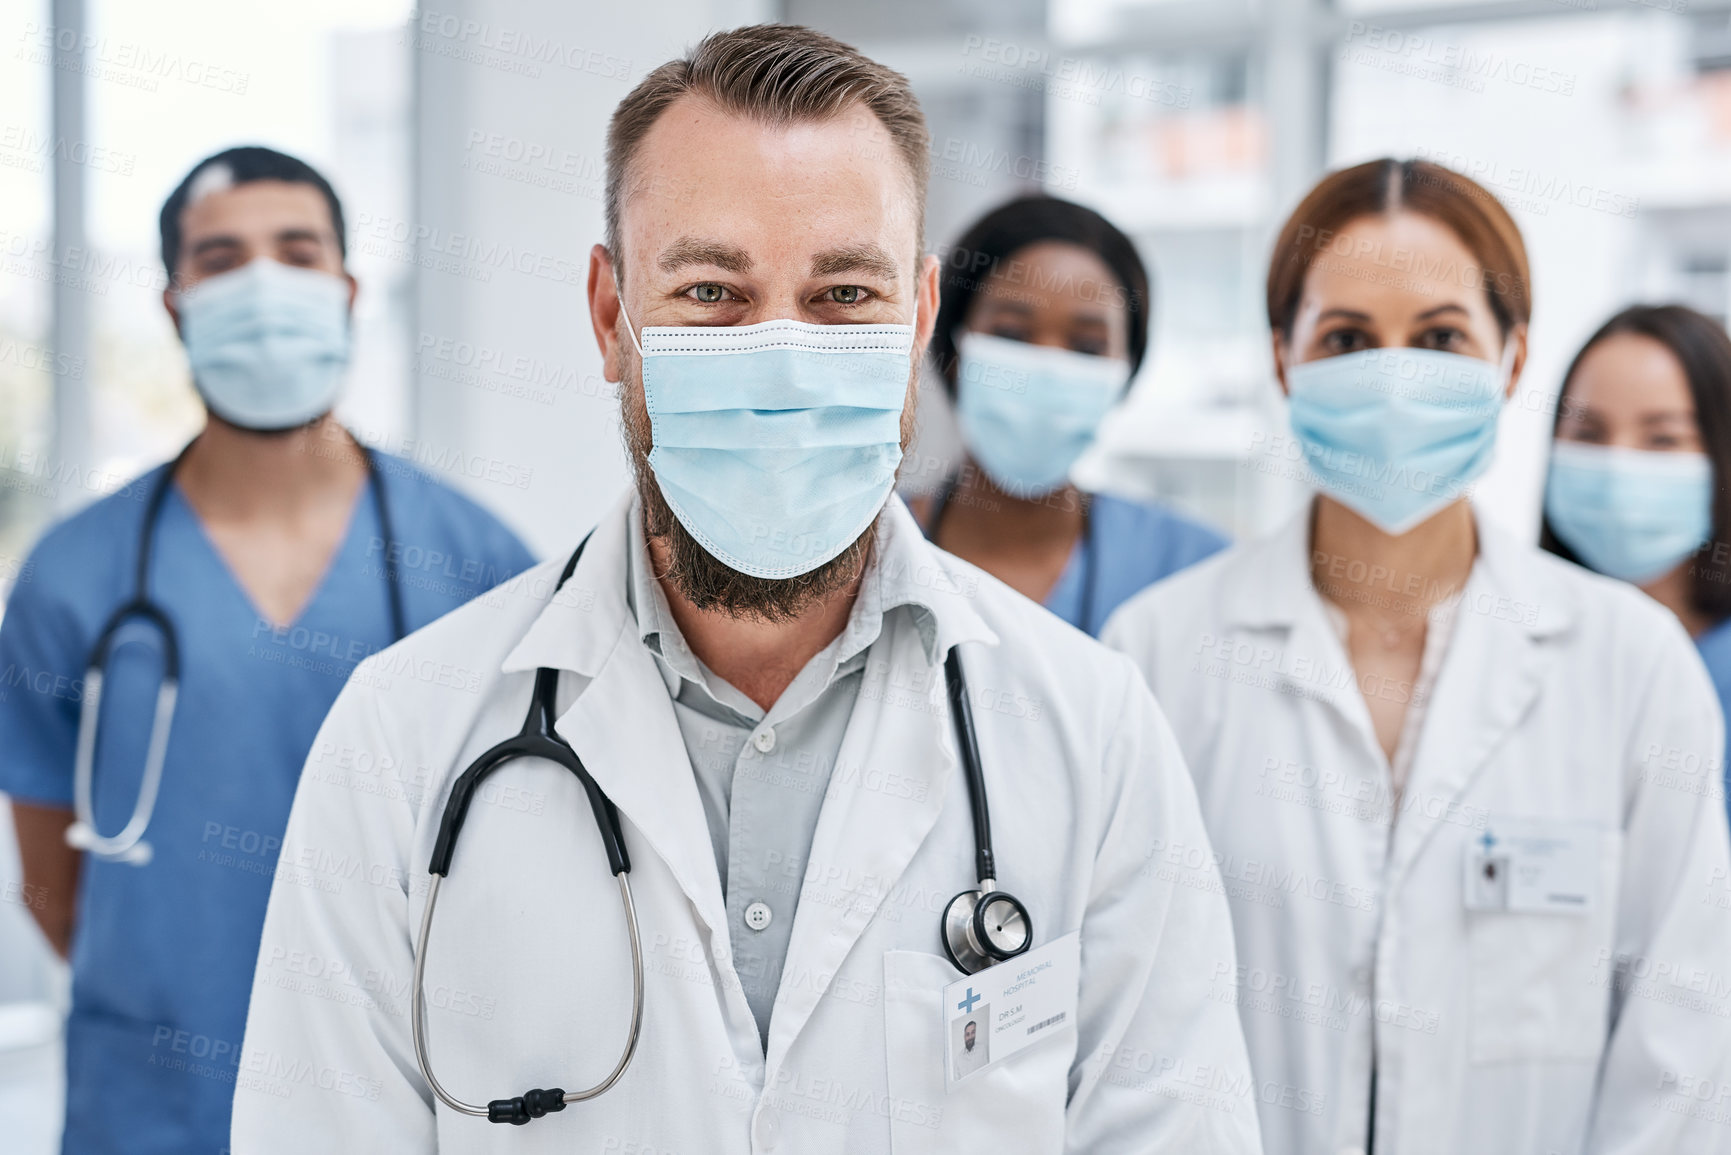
[1042, 323]
[1446, 775]
[1637, 485]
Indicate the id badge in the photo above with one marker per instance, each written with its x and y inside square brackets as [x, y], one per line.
[1531, 866]
[991, 1015]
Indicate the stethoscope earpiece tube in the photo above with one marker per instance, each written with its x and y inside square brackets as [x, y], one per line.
[537, 739]
[968, 747]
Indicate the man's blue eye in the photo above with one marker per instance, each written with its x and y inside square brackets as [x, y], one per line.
[709, 294]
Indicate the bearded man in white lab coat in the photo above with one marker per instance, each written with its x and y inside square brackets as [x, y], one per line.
[751, 657]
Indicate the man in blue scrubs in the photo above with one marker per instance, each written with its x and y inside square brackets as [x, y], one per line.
[279, 567]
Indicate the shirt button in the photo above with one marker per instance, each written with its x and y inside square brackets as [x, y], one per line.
[757, 915]
[764, 740]
[768, 1129]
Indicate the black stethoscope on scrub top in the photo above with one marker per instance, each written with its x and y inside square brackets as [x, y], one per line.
[129, 846]
[980, 927]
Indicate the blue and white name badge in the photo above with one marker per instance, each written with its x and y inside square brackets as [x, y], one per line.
[991, 1015]
[1530, 866]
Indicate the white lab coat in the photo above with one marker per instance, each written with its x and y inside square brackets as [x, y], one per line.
[1562, 697]
[529, 977]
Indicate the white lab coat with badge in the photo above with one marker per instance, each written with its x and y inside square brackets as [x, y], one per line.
[1571, 719]
[528, 977]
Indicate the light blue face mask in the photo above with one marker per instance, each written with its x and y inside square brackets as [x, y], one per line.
[268, 343]
[1629, 513]
[775, 444]
[1397, 434]
[1027, 412]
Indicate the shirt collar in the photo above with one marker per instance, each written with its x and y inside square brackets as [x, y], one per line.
[908, 570]
[1509, 581]
[576, 630]
[898, 574]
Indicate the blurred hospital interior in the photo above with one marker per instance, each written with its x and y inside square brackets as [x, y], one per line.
[465, 138]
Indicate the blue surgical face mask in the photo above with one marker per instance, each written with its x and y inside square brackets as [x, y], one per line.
[1397, 434]
[268, 343]
[776, 444]
[1027, 412]
[1629, 513]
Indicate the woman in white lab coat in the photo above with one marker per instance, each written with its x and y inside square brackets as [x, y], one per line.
[1448, 778]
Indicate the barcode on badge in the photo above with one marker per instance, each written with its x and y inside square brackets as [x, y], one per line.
[1044, 1023]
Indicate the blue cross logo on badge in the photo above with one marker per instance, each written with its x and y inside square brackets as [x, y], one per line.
[966, 1006]
[1488, 841]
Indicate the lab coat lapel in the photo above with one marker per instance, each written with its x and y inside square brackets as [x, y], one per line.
[622, 723]
[1489, 679]
[1277, 598]
[866, 833]
[624, 729]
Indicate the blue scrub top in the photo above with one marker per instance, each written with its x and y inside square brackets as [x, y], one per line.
[1715, 647]
[1128, 547]
[163, 955]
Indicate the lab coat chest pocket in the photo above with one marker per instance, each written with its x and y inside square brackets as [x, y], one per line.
[1017, 1105]
[1541, 982]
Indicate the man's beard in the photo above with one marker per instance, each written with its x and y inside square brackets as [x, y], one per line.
[703, 579]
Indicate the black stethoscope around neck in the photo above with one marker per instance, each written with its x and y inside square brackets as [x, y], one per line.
[980, 927]
[1090, 550]
[128, 846]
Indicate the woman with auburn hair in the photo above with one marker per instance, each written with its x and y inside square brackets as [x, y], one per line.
[1441, 768]
[1637, 485]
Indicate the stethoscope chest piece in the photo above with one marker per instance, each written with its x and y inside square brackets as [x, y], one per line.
[985, 926]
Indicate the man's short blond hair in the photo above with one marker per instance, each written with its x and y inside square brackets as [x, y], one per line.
[779, 74]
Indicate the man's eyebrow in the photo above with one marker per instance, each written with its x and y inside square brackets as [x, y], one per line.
[220, 241]
[867, 258]
[299, 233]
[696, 251]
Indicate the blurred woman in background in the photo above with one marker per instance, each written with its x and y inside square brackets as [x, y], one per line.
[1042, 323]
[1636, 488]
[1436, 763]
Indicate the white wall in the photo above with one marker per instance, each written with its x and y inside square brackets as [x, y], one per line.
[514, 98]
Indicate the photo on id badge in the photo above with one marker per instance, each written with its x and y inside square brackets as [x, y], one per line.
[1490, 883]
[970, 1041]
